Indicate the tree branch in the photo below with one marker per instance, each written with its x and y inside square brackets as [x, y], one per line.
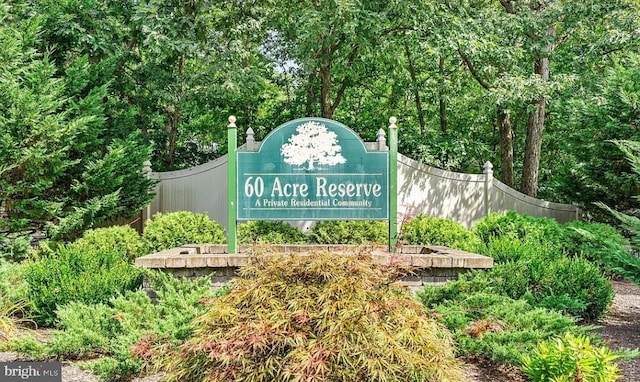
[472, 70]
[508, 6]
[345, 80]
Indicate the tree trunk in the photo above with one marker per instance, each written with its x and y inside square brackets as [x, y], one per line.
[443, 105]
[506, 146]
[535, 128]
[311, 96]
[325, 89]
[173, 116]
[414, 86]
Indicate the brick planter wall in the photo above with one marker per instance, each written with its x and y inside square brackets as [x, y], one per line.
[433, 265]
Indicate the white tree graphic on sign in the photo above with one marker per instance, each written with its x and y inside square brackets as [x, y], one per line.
[313, 144]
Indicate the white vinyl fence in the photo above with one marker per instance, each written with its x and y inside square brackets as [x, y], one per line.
[464, 198]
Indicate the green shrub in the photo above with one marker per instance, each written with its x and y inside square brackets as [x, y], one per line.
[596, 242]
[492, 326]
[76, 273]
[430, 230]
[14, 249]
[523, 227]
[350, 232]
[577, 241]
[571, 358]
[28, 346]
[170, 230]
[267, 232]
[507, 248]
[110, 329]
[12, 283]
[620, 261]
[124, 240]
[12, 299]
[572, 286]
[10, 320]
[321, 317]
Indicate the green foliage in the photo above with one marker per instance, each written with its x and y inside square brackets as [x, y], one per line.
[576, 241]
[572, 286]
[350, 232]
[514, 237]
[571, 358]
[522, 227]
[10, 320]
[507, 248]
[12, 283]
[116, 176]
[111, 328]
[14, 249]
[173, 229]
[29, 346]
[13, 302]
[496, 327]
[584, 163]
[266, 232]
[439, 231]
[122, 240]
[592, 241]
[620, 261]
[603, 245]
[321, 317]
[618, 257]
[61, 168]
[76, 273]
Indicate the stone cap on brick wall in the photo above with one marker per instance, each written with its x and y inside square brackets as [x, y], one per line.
[216, 256]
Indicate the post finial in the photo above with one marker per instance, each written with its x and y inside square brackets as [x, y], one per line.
[392, 123]
[232, 121]
[488, 167]
[146, 168]
[250, 135]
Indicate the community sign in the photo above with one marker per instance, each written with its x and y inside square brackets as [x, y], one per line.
[312, 169]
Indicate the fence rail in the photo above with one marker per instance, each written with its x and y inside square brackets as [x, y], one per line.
[465, 198]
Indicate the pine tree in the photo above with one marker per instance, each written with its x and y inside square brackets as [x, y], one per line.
[60, 172]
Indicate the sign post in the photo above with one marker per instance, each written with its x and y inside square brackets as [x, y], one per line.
[393, 185]
[232, 135]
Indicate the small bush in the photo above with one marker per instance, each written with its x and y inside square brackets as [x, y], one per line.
[174, 229]
[599, 243]
[571, 358]
[430, 230]
[266, 232]
[320, 317]
[13, 291]
[13, 287]
[523, 227]
[10, 320]
[620, 261]
[123, 240]
[350, 232]
[492, 326]
[110, 329]
[572, 286]
[14, 249]
[76, 273]
[582, 237]
[508, 249]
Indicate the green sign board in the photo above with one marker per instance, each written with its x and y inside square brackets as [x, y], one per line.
[312, 169]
